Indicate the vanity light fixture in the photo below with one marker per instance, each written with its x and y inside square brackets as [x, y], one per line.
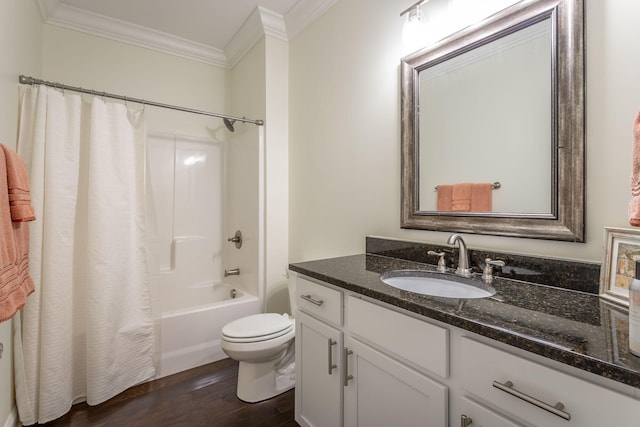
[414, 32]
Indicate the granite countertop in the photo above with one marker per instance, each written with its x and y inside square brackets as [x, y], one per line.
[576, 328]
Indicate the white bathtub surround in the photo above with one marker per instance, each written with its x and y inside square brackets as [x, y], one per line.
[87, 332]
[199, 192]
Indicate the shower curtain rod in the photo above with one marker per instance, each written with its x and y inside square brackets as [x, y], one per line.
[32, 81]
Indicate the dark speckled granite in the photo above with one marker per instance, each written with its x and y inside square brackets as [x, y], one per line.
[578, 276]
[575, 328]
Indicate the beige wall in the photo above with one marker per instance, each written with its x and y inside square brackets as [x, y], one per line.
[259, 90]
[80, 59]
[20, 50]
[277, 173]
[345, 131]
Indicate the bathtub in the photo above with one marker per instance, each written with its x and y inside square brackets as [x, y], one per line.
[188, 330]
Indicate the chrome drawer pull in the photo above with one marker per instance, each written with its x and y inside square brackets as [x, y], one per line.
[332, 365]
[345, 363]
[465, 421]
[555, 410]
[309, 298]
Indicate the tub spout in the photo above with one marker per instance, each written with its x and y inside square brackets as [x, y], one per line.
[232, 272]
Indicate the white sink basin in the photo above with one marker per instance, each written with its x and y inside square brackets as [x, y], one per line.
[436, 284]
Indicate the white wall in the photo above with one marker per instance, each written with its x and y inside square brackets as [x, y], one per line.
[20, 50]
[345, 131]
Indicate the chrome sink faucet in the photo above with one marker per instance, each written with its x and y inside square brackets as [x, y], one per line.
[463, 257]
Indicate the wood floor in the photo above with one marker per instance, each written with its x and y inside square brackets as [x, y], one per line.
[203, 396]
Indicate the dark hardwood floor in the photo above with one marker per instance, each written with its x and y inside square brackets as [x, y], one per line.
[203, 396]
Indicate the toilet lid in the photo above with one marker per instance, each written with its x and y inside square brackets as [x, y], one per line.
[258, 325]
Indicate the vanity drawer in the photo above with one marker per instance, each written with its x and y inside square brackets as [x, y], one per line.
[421, 343]
[485, 370]
[321, 301]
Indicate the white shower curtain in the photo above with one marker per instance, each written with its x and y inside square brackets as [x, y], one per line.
[87, 331]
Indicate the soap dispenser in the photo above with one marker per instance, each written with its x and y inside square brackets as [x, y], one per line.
[634, 313]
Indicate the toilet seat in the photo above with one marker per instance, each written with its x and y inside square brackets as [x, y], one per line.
[257, 327]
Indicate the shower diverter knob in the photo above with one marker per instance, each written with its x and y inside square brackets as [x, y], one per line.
[237, 239]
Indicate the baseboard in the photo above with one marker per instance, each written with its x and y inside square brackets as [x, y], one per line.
[12, 419]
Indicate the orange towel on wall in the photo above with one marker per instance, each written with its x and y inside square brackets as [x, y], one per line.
[634, 203]
[466, 197]
[15, 282]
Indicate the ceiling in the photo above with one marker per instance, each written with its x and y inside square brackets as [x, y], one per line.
[213, 31]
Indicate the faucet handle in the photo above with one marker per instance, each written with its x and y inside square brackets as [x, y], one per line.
[442, 267]
[487, 274]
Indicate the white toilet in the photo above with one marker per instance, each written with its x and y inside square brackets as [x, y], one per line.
[264, 346]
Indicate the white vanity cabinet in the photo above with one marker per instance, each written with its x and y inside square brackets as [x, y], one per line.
[363, 363]
[347, 375]
[319, 344]
[383, 392]
[318, 393]
[538, 395]
[385, 378]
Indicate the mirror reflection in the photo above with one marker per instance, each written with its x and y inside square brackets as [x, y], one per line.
[485, 118]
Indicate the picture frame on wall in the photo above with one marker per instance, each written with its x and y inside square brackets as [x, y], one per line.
[621, 251]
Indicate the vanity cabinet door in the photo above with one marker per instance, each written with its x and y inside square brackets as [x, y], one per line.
[318, 391]
[479, 416]
[381, 391]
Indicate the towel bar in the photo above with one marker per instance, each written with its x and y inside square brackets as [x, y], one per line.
[494, 186]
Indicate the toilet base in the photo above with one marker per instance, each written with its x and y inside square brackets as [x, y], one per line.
[260, 381]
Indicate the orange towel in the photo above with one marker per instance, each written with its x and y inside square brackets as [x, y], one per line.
[634, 203]
[15, 282]
[466, 197]
[444, 198]
[461, 198]
[18, 187]
[481, 197]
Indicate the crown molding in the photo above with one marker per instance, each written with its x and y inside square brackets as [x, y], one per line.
[47, 8]
[273, 24]
[304, 13]
[72, 18]
[261, 22]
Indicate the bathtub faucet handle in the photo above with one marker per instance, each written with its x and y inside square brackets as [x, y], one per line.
[232, 272]
[237, 239]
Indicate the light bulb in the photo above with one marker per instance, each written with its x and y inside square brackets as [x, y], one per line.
[414, 32]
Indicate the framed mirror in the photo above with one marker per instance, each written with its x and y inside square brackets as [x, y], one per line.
[493, 126]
